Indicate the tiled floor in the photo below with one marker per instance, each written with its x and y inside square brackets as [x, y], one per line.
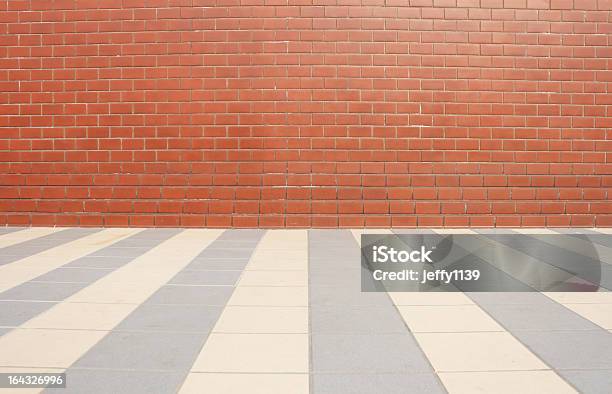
[281, 311]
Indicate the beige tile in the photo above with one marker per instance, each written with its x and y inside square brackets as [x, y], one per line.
[581, 298]
[600, 314]
[454, 318]
[482, 351]
[14, 275]
[142, 271]
[274, 278]
[267, 353]
[275, 263]
[357, 233]
[254, 319]
[454, 231]
[232, 383]
[508, 382]
[269, 296]
[278, 238]
[295, 258]
[33, 390]
[430, 298]
[288, 244]
[26, 369]
[288, 248]
[82, 316]
[534, 231]
[87, 244]
[46, 348]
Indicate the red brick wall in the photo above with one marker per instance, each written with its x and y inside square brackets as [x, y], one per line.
[306, 112]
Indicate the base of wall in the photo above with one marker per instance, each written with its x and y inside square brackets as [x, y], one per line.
[305, 221]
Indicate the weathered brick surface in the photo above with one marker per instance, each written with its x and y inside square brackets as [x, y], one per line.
[297, 113]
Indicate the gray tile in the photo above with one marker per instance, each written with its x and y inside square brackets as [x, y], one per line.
[413, 231]
[94, 381]
[149, 237]
[334, 276]
[592, 382]
[495, 231]
[538, 316]
[218, 264]
[233, 244]
[185, 277]
[120, 251]
[201, 295]
[8, 230]
[27, 248]
[344, 256]
[125, 250]
[77, 275]
[336, 257]
[338, 308]
[570, 349]
[328, 236]
[178, 318]
[246, 235]
[425, 383]
[225, 253]
[515, 271]
[574, 231]
[508, 298]
[160, 233]
[13, 255]
[578, 244]
[349, 297]
[140, 240]
[73, 233]
[602, 239]
[555, 256]
[41, 291]
[100, 262]
[14, 313]
[144, 351]
[384, 353]
[341, 319]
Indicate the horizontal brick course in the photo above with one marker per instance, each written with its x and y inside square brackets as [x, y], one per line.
[295, 113]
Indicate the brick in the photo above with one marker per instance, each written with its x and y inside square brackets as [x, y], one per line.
[439, 113]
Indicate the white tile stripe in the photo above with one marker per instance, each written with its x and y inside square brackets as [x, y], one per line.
[460, 336]
[30, 267]
[61, 346]
[260, 342]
